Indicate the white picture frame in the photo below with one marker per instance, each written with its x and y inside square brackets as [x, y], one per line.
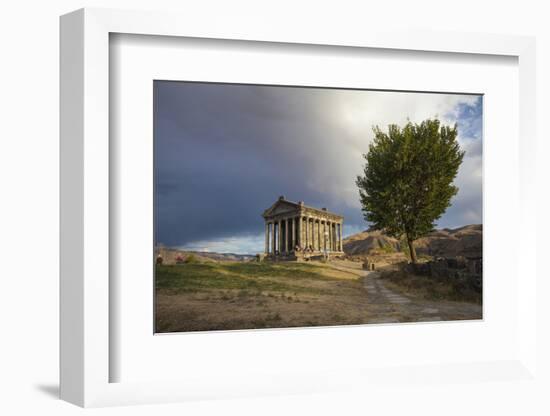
[85, 211]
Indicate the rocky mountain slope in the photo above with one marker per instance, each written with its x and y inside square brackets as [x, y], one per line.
[464, 241]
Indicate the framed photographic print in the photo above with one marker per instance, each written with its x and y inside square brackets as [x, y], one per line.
[231, 253]
[240, 207]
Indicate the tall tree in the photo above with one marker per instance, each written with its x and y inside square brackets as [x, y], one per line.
[407, 183]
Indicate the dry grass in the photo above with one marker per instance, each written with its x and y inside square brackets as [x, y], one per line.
[232, 295]
[226, 295]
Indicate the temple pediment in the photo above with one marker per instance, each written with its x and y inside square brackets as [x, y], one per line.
[281, 206]
[285, 207]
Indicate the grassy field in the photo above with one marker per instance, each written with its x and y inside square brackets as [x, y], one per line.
[235, 295]
[271, 277]
[206, 296]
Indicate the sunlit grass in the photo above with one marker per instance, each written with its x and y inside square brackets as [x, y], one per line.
[272, 277]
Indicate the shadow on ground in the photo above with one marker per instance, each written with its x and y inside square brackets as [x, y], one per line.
[51, 390]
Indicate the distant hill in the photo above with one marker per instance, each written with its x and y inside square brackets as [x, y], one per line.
[222, 256]
[170, 255]
[464, 241]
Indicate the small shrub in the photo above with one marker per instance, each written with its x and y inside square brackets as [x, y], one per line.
[190, 259]
[387, 248]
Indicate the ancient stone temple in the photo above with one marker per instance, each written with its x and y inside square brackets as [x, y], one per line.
[294, 231]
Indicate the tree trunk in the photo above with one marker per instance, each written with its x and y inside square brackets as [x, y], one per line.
[412, 251]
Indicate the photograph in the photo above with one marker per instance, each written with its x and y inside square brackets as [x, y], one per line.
[296, 206]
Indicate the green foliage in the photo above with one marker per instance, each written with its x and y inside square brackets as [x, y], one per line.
[407, 183]
[387, 248]
[190, 259]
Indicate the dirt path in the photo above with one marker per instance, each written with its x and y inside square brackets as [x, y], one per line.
[388, 306]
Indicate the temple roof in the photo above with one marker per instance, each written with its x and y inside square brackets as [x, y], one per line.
[284, 206]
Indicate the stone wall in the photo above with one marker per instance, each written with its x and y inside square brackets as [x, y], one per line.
[468, 269]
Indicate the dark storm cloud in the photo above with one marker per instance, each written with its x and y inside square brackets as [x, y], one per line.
[224, 153]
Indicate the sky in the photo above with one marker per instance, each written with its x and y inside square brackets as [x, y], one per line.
[225, 152]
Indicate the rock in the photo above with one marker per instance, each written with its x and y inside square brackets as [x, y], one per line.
[450, 243]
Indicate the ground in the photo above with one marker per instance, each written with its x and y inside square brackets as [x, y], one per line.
[244, 295]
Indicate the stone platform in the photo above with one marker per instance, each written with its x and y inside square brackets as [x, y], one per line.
[299, 257]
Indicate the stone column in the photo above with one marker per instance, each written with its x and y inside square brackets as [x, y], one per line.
[330, 236]
[337, 230]
[319, 240]
[341, 243]
[335, 236]
[309, 233]
[286, 235]
[300, 231]
[313, 233]
[317, 227]
[336, 241]
[279, 235]
[302, 234]
[318, 234]
[306, 228]
[273, 238]
[321, 235]
[266, 238]
[325, 236]
[293, 233]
